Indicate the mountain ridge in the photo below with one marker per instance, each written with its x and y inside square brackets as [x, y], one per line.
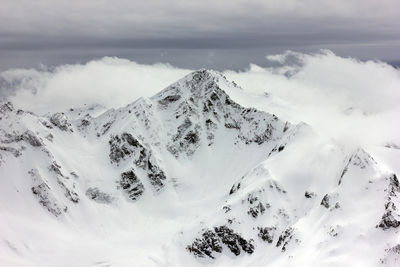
[237, 182]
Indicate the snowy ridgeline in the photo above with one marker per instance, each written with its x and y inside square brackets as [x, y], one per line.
[189, 177]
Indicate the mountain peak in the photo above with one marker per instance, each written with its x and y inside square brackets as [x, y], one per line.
[199, 84]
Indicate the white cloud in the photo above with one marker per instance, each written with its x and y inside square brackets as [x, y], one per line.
[112, 82]
[343, 98]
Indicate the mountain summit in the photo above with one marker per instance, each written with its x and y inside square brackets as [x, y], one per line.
[188, 177]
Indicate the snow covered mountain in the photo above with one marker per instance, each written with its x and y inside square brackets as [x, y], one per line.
[189, 177]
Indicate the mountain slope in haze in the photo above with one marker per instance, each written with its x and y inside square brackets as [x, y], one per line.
[190, 177]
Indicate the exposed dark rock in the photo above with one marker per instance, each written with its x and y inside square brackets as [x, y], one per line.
[43, 193]
[186, 140]
[84, 123]
[286, 127]
[27, 136]
[256, 210]
[395, 249]
[226, 209]
[11, 150]
[251, 198]
[32, 139]
[285, 238]
[234, 188]
[68, 192]
[360, 159]
[275, 186]
[333, 231]
[232, 125]
[131, 184]
[309, 194]
[206, 245]
[391, 216]
[169, 99]
[155, 173]
[60, 120]
[55, 167]
[233, 240]
[325, 201]
[211, 242]
[192, 137]
[96, 195]
[127, 146]
[106, 127]
[46, 124]
[124, 146]
[267, 233]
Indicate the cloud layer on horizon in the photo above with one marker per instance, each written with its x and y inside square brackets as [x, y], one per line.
[344, 98]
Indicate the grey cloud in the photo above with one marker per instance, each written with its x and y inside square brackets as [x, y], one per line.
[63, 31]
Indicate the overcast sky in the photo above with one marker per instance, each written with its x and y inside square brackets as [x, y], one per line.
[219, 34]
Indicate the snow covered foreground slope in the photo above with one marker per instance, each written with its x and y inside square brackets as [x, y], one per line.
[189, 177]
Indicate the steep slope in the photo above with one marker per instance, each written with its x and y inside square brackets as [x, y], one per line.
[188, 177]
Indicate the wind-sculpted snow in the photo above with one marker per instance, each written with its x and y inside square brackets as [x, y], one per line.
[189, 177]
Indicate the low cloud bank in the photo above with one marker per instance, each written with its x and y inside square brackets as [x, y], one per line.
[352, 101]
[112, 82]
[349, 100]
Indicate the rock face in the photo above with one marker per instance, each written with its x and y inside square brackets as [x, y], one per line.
[207, 245]
[391, 217]
[203, 108]
[44, 195]
[131, 184]
[359, 159]
[60, 120]
[126, 146]
[98, 196]
[211, 240]
[267, 233]
[285, 238]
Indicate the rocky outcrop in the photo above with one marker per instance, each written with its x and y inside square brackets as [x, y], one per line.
[285, 238]
[309, 194]
[212, 240]
[41, 190]
[391, 216]
[60, 120]
[64, 182]
[267, 233]
[256, 207]
[201, 108]
[359, 159]
[28, 136]
[330, 201]
[98, 196]
[131, 185]
[206, 246]
[15, 152]
[126, 146]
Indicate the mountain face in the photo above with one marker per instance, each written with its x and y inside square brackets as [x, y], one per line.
[189, 177]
